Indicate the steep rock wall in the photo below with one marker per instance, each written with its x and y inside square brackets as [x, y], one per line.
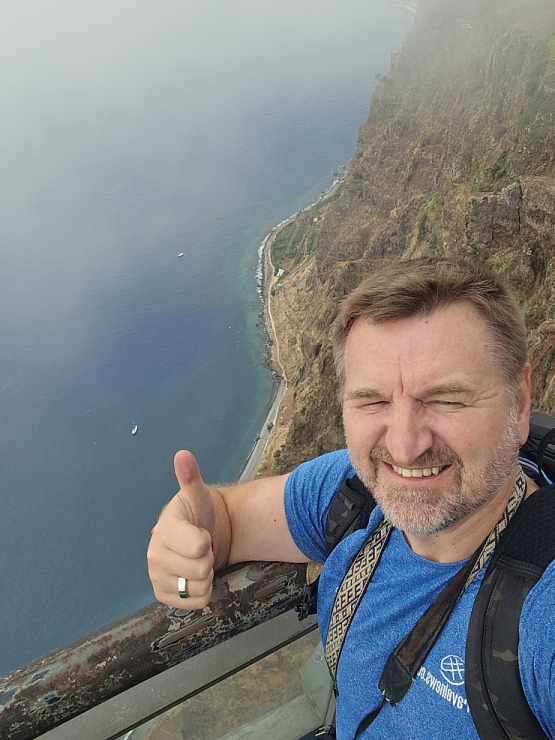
[456, 157]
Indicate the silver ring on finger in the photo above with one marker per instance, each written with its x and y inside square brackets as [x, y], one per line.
[182, 587]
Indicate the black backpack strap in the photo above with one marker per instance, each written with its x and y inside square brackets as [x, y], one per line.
[349, 510]
[405, 661]
[493, 687]
[540, 447]
[545, 455]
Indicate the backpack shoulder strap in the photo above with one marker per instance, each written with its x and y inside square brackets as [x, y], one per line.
[349, 510]
[493, 687]
[539, 448]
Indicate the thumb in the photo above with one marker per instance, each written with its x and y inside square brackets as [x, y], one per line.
[194, 492]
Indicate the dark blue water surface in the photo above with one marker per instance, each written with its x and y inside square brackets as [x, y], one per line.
[133, 130]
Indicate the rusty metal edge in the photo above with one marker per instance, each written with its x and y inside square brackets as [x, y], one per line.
[65, 683]
[139, 706]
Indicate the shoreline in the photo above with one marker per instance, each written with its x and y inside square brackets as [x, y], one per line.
[266, 278]
[252, 463]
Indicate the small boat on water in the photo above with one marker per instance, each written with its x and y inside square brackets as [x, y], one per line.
[134, 429]
[181, 254]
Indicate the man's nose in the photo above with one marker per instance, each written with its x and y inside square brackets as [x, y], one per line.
[408, 434]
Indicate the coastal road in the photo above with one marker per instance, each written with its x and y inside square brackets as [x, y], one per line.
[255, 456]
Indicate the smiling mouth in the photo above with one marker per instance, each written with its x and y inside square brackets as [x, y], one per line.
[418, 472]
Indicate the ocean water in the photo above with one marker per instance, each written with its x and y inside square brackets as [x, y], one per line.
[132, 131]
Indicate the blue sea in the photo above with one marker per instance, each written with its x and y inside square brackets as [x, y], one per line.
[133, 131]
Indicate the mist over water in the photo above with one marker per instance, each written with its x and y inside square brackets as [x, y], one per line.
[132, 131]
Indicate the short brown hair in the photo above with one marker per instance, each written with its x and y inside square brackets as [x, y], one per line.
[418, 287]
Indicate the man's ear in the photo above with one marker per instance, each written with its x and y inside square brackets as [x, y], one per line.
[524, 403]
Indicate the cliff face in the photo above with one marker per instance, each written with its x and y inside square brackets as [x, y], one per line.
[456, 157]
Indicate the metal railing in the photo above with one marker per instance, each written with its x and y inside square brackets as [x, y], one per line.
[119, 677]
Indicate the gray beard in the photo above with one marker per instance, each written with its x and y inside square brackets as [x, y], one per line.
[421, 512]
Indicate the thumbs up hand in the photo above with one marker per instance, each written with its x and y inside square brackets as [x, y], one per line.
[180, 554]
[247, 521]
[194, 493]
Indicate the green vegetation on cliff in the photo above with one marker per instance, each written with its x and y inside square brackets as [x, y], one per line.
[455, 158]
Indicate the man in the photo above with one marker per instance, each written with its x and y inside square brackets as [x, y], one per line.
[435, 390]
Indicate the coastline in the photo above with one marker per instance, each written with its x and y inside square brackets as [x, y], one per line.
[252, 463]
[266, 278]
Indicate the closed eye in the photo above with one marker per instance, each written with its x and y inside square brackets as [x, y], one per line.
[365, 398]
[441, 402]
[374, 405]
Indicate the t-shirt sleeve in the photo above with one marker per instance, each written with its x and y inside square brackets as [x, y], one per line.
[308, 493]
[536, 652]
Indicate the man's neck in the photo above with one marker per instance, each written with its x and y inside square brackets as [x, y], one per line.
[459, 541]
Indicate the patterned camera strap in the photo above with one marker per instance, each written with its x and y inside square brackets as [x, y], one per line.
[359, 574]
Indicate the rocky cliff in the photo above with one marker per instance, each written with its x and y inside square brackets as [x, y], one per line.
[456, 157]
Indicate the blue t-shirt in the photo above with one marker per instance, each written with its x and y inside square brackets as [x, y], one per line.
[403, 586]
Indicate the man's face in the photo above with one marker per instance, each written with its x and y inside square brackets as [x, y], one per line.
[430, 426]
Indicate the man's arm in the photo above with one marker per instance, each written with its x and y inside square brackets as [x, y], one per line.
[203, 529]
